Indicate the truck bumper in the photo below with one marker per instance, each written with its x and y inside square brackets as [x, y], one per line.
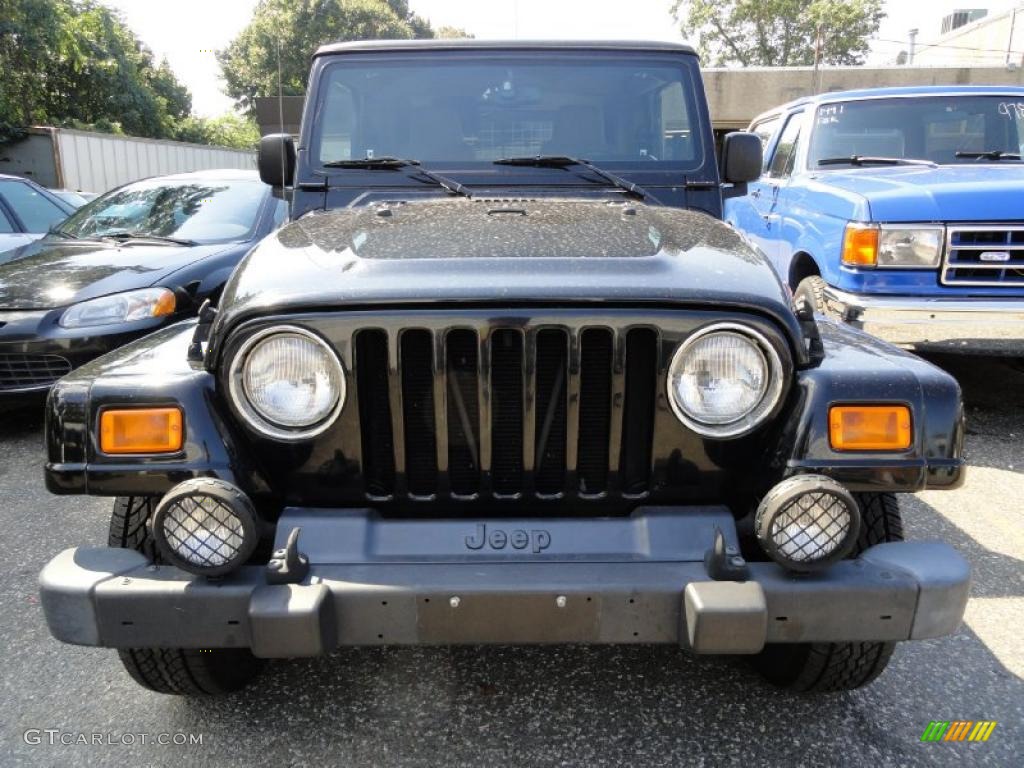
[618, 588]
[974, 326]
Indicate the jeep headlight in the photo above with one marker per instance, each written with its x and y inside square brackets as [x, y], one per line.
[724, 380]
[287, 383]
[120, 308]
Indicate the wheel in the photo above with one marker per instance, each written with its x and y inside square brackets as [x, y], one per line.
[813, 289]
[830, 667]
[183, 671]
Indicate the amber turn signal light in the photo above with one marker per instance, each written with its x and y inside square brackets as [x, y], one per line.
[870, 427]
[860, 245]
[141, 430]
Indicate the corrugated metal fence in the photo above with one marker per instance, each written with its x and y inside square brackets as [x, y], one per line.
[96, 162]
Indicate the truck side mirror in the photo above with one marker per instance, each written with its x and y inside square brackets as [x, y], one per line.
[742, 157]
[276, 160]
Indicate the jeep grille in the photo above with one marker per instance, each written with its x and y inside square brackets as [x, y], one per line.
[507, 412]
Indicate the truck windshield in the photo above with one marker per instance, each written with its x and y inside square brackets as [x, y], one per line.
[465, 112]
[940, 129]
[206, 211]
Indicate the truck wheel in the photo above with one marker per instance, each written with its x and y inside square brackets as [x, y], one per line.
[830, 667]
[184, 671]
[813, 289]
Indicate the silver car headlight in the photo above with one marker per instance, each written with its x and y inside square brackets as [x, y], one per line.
[119, 308]
[724, 380]
[287, 383]
[917, 246]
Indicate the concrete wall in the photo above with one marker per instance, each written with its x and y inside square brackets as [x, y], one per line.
[738, 95]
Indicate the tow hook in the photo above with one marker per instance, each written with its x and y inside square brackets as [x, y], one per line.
[724, 563]
[288, 565]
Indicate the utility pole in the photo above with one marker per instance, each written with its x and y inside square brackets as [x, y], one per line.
[818, 42]
[913, 44]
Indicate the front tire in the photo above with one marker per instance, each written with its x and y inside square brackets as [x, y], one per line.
[813, 290]
[832, 667]
[181, 671]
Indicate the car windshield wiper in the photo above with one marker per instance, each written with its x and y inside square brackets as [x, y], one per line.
[388, 163]
[867, 160]
[62, 233]
[562, 161]
[121, 236]
[988, 154]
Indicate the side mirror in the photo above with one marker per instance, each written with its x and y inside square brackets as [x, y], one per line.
[276, 160]
[742, 157]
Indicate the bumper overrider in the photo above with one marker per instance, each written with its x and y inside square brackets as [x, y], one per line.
[975, 325]
[352, 577]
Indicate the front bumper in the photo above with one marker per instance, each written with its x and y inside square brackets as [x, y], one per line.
[626, 580]
[975, 326]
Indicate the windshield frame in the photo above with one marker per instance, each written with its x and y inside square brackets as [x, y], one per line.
[97, 202]
[312, 171]
[804, 161]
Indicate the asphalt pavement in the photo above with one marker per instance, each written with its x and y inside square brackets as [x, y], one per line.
[540, 706]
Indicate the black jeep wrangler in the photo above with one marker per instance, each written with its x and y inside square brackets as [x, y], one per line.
[505, 378]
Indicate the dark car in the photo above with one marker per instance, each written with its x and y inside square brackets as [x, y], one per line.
[506, 377]
[140, 257]
[27, 211]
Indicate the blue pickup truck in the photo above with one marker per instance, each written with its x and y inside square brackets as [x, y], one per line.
[899, 211]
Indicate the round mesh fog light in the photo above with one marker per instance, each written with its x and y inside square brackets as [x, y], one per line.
[205, 526]
[807, 522]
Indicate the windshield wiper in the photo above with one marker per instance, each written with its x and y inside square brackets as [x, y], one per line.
[388, 163]
[867, 160]
[122, 236]
[62, 233]
[988, 154]
[562, 161]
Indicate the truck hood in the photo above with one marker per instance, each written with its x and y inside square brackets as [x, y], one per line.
[503, 252]
[968, 192]
[54, 273]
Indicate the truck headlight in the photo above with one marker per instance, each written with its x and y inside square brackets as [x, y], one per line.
[724, 380]
[120, 308]
[287, 383]
[892, 245]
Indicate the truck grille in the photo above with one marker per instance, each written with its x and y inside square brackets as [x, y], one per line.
[29, 371]
[984, 255]
[506, 413]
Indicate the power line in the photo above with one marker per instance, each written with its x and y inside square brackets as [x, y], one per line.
[1001, 51]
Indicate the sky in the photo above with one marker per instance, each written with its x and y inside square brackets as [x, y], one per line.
[187, 32]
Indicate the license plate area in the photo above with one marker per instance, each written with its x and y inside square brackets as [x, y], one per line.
[508, 619]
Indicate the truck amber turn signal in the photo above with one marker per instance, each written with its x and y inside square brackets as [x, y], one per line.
[869, 427]
[141, 430]
[860, 245]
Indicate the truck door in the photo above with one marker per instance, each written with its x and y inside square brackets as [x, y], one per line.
[768, 199]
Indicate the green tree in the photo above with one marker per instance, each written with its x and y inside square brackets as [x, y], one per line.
[76, 63]
[229, 130]
[778, 33]
[299, 27]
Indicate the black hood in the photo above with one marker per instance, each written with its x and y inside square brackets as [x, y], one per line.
[53, 273]
[503, 252]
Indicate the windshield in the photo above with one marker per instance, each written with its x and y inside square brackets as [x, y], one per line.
[465, 112]
[206, 211]
[933, 128]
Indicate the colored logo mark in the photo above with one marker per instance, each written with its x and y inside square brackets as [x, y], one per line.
[958, 730]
